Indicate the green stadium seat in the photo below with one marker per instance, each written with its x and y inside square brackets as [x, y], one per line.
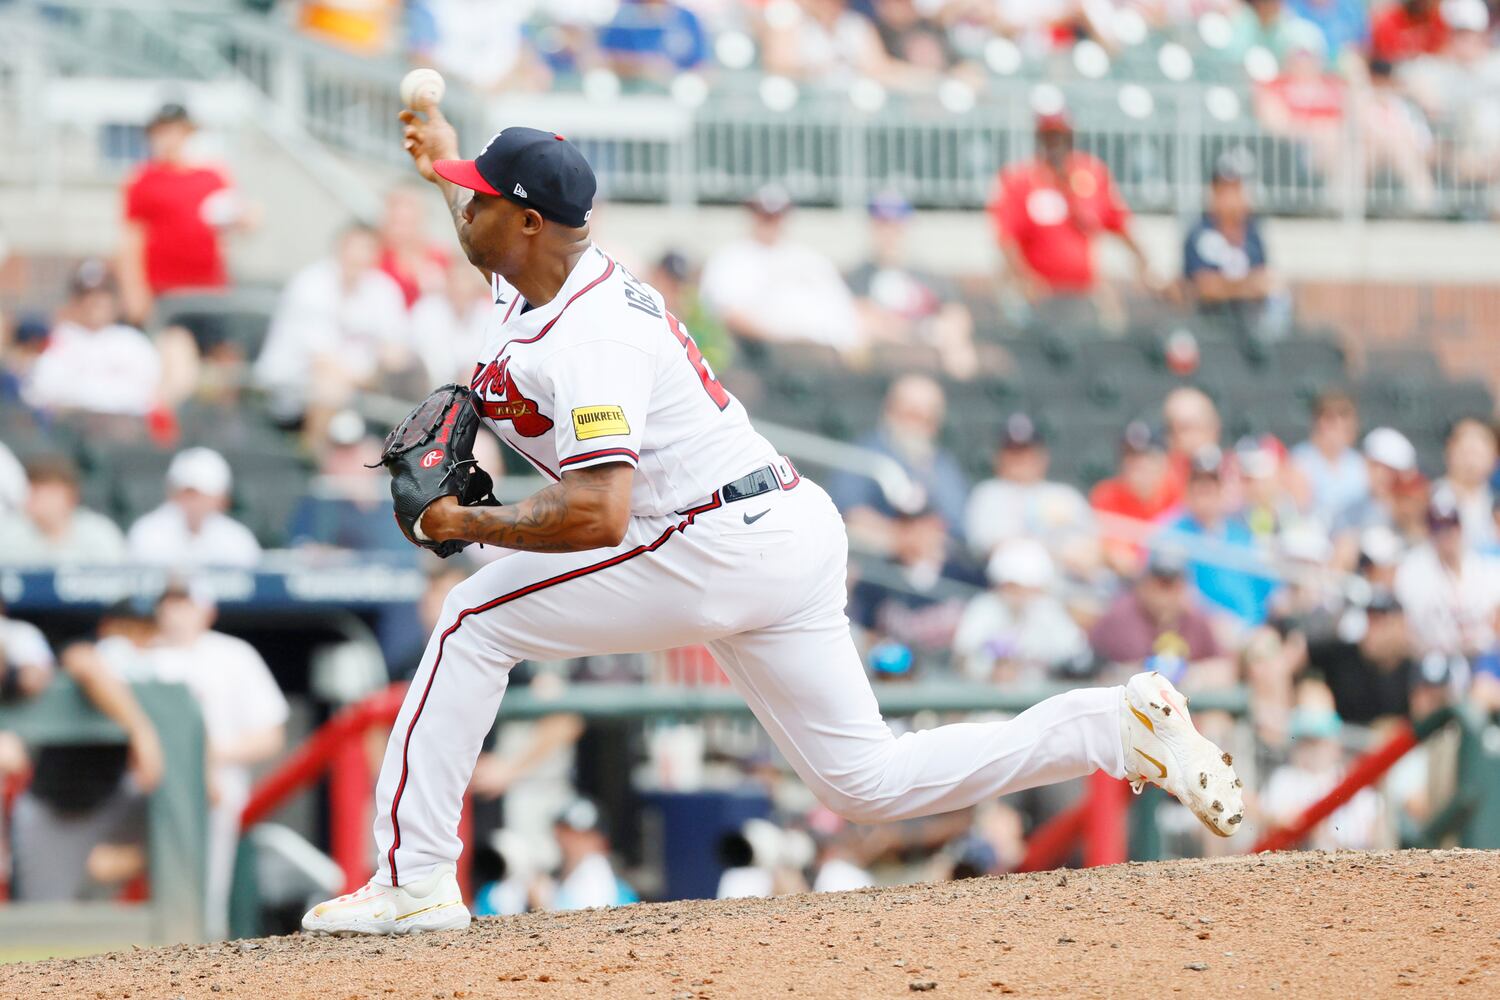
[1403, 402]
[1313, 357]
[136, 478]
[1122, 356]
[240, 317]
[225, 428]
[1465, 398]
[268, 485]
[1414, 361]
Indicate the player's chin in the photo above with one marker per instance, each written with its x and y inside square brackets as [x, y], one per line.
[475, 257]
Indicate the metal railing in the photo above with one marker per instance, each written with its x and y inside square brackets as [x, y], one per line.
[827, 151]
[42, 43]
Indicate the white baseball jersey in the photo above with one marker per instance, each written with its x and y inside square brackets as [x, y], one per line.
[604, 373]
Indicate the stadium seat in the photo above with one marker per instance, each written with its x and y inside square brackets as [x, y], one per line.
[1408, 403]
[240, 317]
[1314, 357]
[226, 428]
[1464, 398]
[27, 436]
[1414, 360]
[135, 478]
[1120, 356]
[985, 396]
[268, 485]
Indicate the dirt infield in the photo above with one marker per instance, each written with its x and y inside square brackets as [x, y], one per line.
[1410, 924]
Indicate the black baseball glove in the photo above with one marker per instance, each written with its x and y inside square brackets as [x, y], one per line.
[430, 455]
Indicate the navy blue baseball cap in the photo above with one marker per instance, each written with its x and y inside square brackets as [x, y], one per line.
[532, 168]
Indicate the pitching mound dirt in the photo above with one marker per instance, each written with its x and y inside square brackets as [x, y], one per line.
[1409, 924]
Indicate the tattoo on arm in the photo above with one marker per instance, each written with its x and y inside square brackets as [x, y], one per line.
[457, 198]
[562, 517]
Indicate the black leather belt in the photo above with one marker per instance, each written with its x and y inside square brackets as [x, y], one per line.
[762, 480]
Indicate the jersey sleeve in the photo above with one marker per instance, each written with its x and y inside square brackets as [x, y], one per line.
[25, 646]
[1007, 207]
[601, 392]
[261, 703]
[1193, 261]
[135, 201]
[1114, 213]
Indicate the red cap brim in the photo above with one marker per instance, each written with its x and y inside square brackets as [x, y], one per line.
[463, 173]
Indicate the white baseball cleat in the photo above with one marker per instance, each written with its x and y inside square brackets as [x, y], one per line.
[1163, 748]
[433, 904]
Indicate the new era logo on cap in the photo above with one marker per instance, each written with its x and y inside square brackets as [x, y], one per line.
[541, 169]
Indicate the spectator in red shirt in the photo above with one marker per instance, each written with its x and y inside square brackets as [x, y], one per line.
[407, 252]
[175, 212]
[1142, 490]
[1408, 29]
[1306, 102]
[1047, 213]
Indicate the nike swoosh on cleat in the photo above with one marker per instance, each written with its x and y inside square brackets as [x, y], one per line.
[1159, 765]
[757, 517]
[1139, 715]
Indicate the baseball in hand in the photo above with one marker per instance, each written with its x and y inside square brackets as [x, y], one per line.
[422, 88]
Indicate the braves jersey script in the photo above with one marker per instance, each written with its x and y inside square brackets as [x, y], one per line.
[604, 373]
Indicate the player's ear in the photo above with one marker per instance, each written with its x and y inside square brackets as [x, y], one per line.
[531, 221]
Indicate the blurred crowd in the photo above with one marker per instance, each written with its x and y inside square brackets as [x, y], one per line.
[1416, 79]
[1325, 573]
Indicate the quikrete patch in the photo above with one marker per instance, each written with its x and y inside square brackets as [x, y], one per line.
[599, 421]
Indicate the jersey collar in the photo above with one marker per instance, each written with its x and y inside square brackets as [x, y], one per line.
[591, 263]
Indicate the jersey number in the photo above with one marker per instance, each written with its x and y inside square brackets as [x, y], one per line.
[716, 392]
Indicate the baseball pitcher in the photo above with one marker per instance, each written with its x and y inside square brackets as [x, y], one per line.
[666, 521]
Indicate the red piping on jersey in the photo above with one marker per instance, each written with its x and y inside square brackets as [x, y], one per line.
[511, 309]
[687, 518]
[608, 270]
[589, 456]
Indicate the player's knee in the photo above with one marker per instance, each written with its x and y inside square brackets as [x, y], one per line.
[856, 796]
[858, 809]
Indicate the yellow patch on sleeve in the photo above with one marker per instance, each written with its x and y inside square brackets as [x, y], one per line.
[599, 421]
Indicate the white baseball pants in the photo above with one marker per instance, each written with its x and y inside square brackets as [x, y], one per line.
[768, 599]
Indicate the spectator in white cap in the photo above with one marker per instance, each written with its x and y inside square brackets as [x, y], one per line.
[1021, 501]
[1380, 553]
[1469, 459]
[192, 529]
[1390, 459]
[1018, 630]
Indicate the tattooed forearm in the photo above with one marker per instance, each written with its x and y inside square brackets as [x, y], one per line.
[587, 510]
[457, 198]
[538, 524]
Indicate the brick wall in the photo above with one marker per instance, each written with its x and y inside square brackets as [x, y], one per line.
[1460, 322]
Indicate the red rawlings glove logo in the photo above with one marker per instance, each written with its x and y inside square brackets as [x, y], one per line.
[432, 458]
